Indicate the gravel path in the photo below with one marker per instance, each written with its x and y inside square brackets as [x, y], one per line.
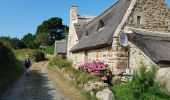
[36, 86]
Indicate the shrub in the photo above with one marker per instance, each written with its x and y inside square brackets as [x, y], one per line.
[38, 56]
[60, 63]
[142, 87]
[48, 49]
[99, 69]
[10, 67]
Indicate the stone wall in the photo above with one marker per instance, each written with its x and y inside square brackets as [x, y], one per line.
[78, 58]
[105, 55]
[136, 58]
[115, 56]
[120, 57]
[153, 15]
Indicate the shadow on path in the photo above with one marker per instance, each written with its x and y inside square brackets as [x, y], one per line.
[36, 86]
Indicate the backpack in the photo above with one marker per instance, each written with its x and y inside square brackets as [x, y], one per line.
[27, 61]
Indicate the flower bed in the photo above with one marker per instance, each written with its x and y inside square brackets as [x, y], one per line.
[99, 69]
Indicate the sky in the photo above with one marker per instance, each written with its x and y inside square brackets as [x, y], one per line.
[19, 17]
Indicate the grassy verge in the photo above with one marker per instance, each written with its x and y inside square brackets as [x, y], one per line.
[77, 77]
[20, 53]
[35, 55]
[10, 67]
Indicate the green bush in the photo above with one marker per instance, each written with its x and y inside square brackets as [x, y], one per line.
[38, 56]
[142, 87]
[48, 49]
[10, 67]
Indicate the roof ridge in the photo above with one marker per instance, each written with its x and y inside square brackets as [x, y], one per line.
[151, 33]
[104, 11]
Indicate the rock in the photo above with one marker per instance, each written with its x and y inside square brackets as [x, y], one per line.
[89, 86]
[124, 79]
[163, 76]
[105, 94]
[101, 84]
[117, 72]
[116, 79]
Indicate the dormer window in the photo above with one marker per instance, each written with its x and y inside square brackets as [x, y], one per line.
[86, 33]
[138, 20]
[100, 25]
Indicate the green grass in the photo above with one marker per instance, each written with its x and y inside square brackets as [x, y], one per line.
[79, 77]
[10, 67]
[35, 54]
[20, 53]
[48, 49]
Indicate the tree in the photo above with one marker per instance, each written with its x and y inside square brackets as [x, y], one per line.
[53, 29]
[6, 41]
[17, 43]
[41, 39]
[28, 40]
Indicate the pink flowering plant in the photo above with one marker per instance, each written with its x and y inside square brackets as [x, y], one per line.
[99, 69]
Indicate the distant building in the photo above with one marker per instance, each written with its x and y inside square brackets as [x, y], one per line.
[61, 48]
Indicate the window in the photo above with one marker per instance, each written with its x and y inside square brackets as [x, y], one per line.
[138, 20]
[101, 25]
[86, 56]
[86, 33]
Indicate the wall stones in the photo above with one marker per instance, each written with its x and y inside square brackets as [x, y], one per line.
[154, 15]
[163, 76]
[137, 57]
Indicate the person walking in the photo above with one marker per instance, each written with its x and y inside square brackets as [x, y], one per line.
[27, 63]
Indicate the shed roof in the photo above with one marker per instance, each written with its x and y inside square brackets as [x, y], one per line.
[60, 46]
[103, 37]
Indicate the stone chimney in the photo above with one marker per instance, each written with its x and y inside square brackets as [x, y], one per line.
[73, 14]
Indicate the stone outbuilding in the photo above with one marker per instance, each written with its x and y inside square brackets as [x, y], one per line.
[61, 48]
[144, 23]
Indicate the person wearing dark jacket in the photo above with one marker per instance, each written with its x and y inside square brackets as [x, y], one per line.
[27, 64]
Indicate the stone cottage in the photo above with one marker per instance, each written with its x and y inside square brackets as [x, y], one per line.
[144, 24]
[60, 48]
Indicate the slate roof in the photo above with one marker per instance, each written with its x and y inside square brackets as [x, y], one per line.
[154, 44]
[102, 38]
[60, 46]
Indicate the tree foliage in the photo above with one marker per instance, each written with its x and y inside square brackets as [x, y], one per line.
[6, 41]
[17, 43]
[28, 40]
[12, 42]
[53, 29]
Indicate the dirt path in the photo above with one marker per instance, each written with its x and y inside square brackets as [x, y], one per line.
[36, 86]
